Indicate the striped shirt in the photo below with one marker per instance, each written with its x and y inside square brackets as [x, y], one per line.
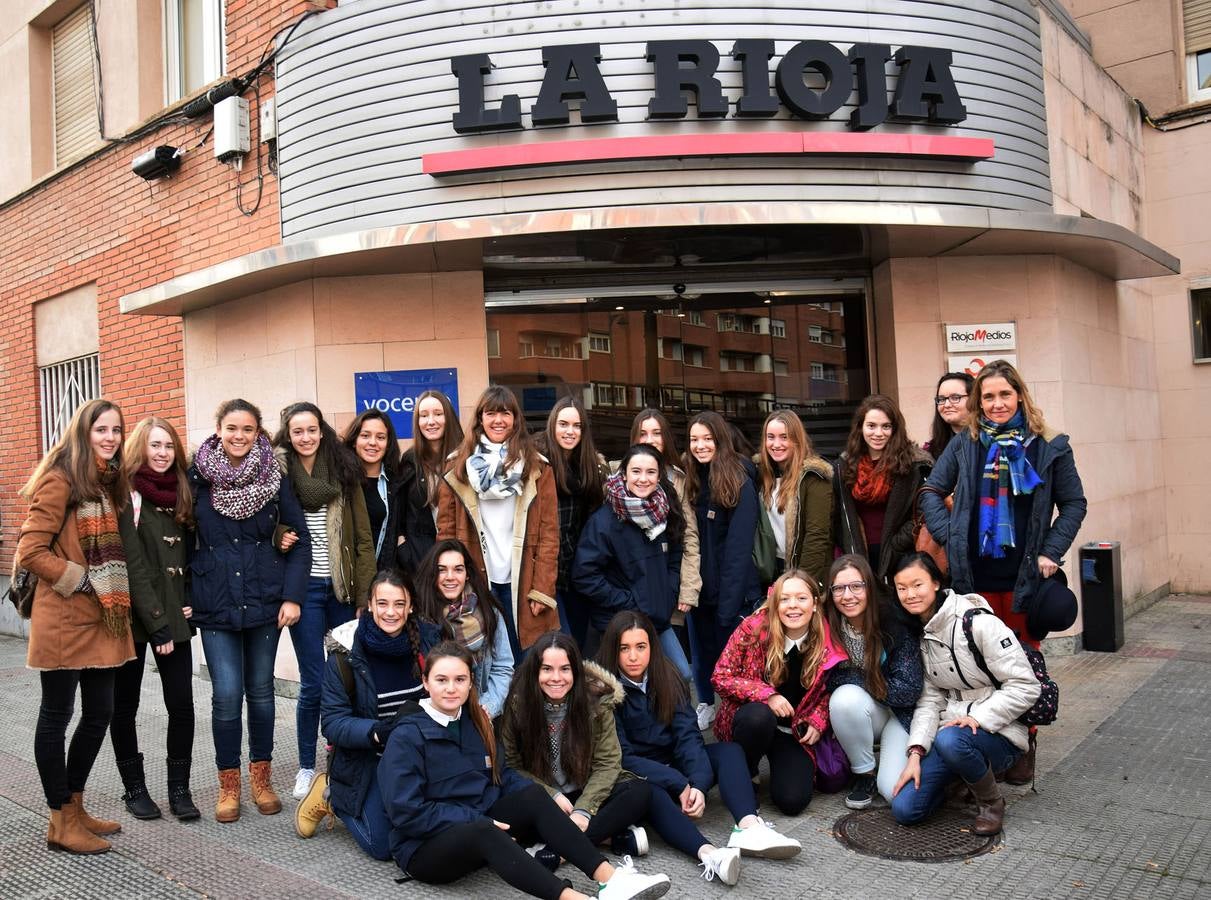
[317, 525]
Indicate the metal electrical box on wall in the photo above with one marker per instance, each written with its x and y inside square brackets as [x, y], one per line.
[231, 131]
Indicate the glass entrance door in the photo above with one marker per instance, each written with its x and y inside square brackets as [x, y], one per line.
[741, 352]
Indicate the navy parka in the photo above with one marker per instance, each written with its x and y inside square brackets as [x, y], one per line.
[348, 724]
[238, 578]
[669, 756]
[618, 568]
[730, 584]
[431, 781]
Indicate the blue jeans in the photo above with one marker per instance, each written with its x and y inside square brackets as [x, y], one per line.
[241, 666]
[731, 774]
[504, 593]
[573, 616]
[371, 828]
[956, 753]
[672, 649]
[321, 612]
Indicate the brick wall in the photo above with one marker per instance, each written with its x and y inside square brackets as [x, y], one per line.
[98, 222]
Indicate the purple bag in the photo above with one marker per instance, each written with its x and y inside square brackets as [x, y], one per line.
[832, 765]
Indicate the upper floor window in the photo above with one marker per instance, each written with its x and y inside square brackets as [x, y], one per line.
[1196, 17]
[194, 51]
[74, 91]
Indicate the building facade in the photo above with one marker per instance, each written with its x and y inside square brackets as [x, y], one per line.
[687, 205]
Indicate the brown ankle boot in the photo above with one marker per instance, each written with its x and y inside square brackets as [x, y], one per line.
[66, 833]
[100, 827]
[991, 814]
[1022, 770]
[263, 795]
[227, 807]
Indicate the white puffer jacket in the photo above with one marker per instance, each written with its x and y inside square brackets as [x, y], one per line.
[956, 686]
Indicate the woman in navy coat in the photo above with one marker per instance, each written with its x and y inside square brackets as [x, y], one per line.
[245, 590]
[455, 807]
[629, 555]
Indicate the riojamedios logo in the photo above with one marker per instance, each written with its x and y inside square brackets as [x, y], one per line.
[980, 335]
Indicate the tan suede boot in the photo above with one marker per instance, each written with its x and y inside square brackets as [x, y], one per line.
[66, 833]
[991, 815]
[263, 795]
[227, 807]
[100, 827]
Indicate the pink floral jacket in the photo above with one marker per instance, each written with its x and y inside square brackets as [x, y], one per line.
[740, 678]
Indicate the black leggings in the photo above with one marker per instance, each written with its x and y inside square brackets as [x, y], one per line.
[176, 681]
[627, 805]
[531, 814]
[63, 776]
[791, 769]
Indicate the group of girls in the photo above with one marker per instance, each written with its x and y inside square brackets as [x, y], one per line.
[486, 544]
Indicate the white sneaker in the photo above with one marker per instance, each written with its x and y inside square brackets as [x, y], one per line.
[706, 716]
[723, 862]
[302, 783]
[627, 884]
[762, 840]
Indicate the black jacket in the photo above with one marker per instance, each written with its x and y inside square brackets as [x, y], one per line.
[897, 537]
[413, 518]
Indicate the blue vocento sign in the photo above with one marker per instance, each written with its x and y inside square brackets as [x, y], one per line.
[395, 393]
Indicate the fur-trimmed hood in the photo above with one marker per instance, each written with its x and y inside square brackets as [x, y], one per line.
[602, 685]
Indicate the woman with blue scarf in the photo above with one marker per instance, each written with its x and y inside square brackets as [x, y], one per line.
[1010, 475]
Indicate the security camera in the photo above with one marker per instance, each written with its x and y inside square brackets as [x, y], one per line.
[679, 289]
[157, 163]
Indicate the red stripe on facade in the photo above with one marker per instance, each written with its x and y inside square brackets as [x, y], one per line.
[839, 143]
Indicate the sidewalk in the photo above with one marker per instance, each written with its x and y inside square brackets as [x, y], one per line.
[1123, 808]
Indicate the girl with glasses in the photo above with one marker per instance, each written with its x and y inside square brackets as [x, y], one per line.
[949, 411]
[874, 690]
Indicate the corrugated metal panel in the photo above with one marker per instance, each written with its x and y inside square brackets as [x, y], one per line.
[364, 90]
[1196, 14]
[74, 95]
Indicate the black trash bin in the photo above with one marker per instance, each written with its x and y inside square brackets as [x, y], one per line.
[1102, 595]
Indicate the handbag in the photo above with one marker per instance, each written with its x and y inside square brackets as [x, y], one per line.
[922, 540]
[832, 765]
[765, 549]
[24, 584]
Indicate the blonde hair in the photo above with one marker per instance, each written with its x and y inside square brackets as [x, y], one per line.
[134, 456]
[813, 653]
[801, 449]
[1003, 369]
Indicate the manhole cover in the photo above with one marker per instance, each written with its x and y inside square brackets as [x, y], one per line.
[945, 836]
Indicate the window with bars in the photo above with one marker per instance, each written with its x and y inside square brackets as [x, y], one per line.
[64, 387]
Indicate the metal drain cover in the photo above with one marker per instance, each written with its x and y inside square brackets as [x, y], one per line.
[944, 837]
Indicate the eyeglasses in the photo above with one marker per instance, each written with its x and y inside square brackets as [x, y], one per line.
[854, 587]
[952, 399]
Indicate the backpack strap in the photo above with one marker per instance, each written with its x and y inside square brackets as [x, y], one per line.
[971, 645]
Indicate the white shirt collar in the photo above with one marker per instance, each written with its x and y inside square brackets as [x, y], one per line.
[642, 685]
[437, 715]
[791, 643]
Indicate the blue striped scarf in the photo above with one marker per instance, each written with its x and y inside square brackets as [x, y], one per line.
[1006, 471]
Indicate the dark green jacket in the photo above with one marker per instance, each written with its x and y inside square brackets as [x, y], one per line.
[164, 545]
[809, 520]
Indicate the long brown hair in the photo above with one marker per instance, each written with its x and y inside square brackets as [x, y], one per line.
[668, 449]
[940, 432]
[134, 457]
[1003, 368]
[774, 634]
[496, 398]
[73, 455]
[391, 456]
[801, 449]
[431, 456]
[582, 459]
[666, 688]
[431, 605]
[868, 625]
[727, 474]
[526, 720]
[897, 458]
[344, 468]
[479, 718]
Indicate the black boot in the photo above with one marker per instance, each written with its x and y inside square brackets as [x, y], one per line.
[138, 802]
[180, 801]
